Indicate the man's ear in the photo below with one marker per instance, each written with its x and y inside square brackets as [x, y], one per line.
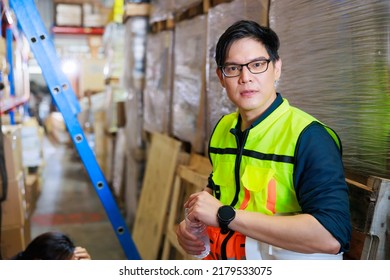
[278, 69]
[220, 76]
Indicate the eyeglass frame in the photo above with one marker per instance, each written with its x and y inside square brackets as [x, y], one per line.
[242, 67]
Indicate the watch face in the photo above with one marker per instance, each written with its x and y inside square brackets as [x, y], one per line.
[226, 213]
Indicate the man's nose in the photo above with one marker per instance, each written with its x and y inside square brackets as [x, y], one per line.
[245, 75]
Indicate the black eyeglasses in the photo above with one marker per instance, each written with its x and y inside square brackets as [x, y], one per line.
[255, 67]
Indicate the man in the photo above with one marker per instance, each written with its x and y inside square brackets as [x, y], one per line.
[277, 190]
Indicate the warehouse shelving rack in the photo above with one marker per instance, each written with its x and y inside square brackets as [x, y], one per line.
[30, 23]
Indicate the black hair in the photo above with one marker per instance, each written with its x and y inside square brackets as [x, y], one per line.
[247, 29]
[48, 246]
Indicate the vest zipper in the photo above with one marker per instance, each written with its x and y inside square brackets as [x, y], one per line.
[224, 245]
[240, 149]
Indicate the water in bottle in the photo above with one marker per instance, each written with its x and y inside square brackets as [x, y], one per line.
[199, 229]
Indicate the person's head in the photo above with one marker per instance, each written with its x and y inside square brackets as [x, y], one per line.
[48, 246]
[248, 65]
[247, 29]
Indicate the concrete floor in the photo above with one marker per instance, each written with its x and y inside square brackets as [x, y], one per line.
[69, 203]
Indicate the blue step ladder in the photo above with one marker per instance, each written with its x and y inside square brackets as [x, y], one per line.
[30, 22]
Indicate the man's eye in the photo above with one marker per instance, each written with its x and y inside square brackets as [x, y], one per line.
[258, 64]
[232, 68]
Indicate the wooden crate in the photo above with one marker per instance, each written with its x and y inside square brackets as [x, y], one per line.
[189, 179]
[370, 214]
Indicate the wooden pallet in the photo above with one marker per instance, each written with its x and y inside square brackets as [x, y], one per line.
[162, 25]
[189, 179]
[135, 10]
[370, 214]
[197, 9]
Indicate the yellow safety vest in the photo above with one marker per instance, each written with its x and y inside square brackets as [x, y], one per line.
[259, 175]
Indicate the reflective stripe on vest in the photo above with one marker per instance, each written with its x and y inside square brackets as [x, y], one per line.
[229, 246]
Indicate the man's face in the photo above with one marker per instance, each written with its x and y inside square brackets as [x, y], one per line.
[251, 93]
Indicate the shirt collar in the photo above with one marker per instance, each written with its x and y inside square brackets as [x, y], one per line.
[275, 104]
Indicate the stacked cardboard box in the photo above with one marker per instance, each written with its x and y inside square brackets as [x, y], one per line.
[56, 128]
[68, 14]
[91, 75]
[94, 15]
[14, 222]
[32, 143]
[13, 150]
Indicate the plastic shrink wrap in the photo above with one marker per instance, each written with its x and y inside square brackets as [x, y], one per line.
[161, 10]
[336, 67]
[158, 82]
[189, 57]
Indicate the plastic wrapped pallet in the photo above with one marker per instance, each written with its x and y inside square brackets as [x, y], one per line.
[136, 34]
[134, 73]
[158, 82]
[220, 18]
[189, 57]
[114, 46]
[161, 10]
[336, 66]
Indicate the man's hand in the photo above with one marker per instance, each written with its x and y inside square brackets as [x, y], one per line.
[81, 253]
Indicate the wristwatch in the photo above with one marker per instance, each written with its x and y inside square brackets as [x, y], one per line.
[225, 215]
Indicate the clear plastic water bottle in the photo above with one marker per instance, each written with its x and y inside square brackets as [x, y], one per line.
[199, 229]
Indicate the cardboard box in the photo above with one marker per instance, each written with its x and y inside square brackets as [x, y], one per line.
[92, 75]
[56, 128]
[14, 208]
[99, 129]
[32, 192]
[32, 143]
[68, 14]
[13, 241]
[13, 150]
